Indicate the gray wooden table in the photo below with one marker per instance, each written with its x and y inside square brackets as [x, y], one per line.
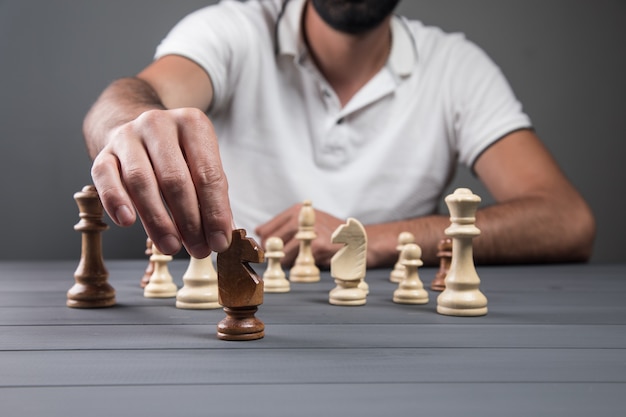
[552, 344]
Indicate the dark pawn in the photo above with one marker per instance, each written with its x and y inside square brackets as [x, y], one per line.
[445, 259]
[240, 289]
[91, 289]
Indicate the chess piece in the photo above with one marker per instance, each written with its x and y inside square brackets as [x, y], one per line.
[411, 290]
[274, 279]
[444, 253]
[349, 265]
[150, 268]
[240, 289]
[91, 288]
[304, 268]
[199, 291]
[462, 296]
[161, 284]
[398, 272]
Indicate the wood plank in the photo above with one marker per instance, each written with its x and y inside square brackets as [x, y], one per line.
[58, 275]
[303, 400]
[347, 400]
[313, 308]
[310, 366]
[380, 295]
[553, 343]
[111, 337]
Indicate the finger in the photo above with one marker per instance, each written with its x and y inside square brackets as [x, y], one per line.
[208, 176]
[323, 252]
[174, 180]
[115, 200]
[137, 175]
[284, 225]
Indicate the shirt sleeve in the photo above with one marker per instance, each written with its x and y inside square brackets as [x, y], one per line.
[484, 105]
[213, 38]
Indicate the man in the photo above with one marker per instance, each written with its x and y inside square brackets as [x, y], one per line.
[339, 102]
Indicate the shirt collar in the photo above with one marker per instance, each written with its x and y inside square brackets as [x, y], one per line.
[290, 40]
[403, 55]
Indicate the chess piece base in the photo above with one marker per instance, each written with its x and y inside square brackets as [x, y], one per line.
[161, 291]
[90, 296]
[438, 284]
[277, 288]
[470, 312]
[240, 324]
[197, 305]
[452, 302]
[396, 276]
[353, 296]
[193, 298]
[304, 274]
[410, 297]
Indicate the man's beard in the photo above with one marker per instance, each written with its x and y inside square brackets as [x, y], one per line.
[354, 16]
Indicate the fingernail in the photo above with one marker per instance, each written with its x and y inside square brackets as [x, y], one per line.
[218, 242]
[123, 215]
[169, 244]
[200, 251]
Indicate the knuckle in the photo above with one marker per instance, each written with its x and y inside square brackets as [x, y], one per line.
[108, 195]
[137, 178]
[157, 223]
[173, 182]
[150, 117]
[193, 116]
[151, 124]
[211, 176]
[189, 229]
[124, 131]
[214, 216]
[101, 165]
[123, 138]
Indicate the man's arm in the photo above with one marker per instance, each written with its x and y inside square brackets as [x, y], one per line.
[538, 215]
[155, 151]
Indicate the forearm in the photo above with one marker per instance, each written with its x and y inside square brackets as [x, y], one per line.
[534, 230]
[122, 101]
[383, 239]
[529, 230]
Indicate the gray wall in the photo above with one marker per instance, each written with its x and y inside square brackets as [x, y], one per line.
[565, 59]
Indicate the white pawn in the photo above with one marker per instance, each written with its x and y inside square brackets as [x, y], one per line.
[161, 284]
[349, 265]
[274, 279]
[462, 296]
[398, 272]
[199, 290]
[304, 268]
[411, 289]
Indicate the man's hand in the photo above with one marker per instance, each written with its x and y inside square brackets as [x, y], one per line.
[166, 165]
[285, 226]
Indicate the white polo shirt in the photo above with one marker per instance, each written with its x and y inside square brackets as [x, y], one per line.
[386, 155]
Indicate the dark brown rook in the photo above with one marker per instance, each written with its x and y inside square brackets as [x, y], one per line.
[445, 258]
[240, 289]
[150, 268]
[91, 288]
